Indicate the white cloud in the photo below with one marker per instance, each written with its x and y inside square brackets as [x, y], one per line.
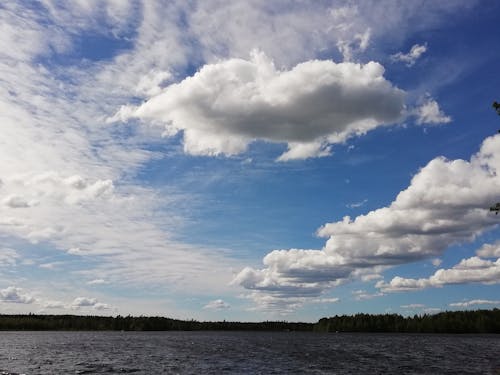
[14, 201]
[436, 262]
[51, 265]
[364, 295]
[97, 282]
[102, 306]
[85, 302]
[152, 83]
[294, 273]
[66, 179]
[413, 306]
[227, 105]
[291, 278]
[21, 296]
[357, 204]
[289, 32]
[76, 251]
[32, 189]
[297, 150]
[357, 44]
[293, 32]
[50, 304]
[108, 16]
[16, 295]
[8, 257]
[298, 31]
[489, 250]
[275, 303]
[445, 204]
[432, 310]
[429, 113]
[471, 270]
[217, 304]
[12, 294]
[475, 302]
[411, 57]
[69, 181]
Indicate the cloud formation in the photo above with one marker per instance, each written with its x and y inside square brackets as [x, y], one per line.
[68, 182]
[50, 304]
[85, 302]
[275, 303]
[475, 302]
[489, 250]
[8, 257]
[413, 306]
[357, 204]
[227, 105]
[429, 113]
[470, 270]
[96, 282]
[445, 204]
[360, 295]
[412, 56]
[293, 32]
[17, 295]
[217, 304]
[12, 294]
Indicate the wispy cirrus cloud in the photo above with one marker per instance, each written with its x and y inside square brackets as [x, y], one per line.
[475, 302]
[413, 306]
[364, 295]
[416, 51]
[357, 204]
[67, 181]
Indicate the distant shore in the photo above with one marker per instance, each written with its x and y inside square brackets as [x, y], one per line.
[477, 321]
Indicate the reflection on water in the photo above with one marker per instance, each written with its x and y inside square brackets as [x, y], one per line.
[246, 353]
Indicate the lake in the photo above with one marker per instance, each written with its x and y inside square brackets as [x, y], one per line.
[212, 352]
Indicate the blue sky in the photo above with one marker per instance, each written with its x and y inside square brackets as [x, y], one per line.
[248, 160]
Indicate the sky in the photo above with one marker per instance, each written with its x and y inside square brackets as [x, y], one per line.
[249, 160]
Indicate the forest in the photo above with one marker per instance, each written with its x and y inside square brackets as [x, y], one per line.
[478, 321]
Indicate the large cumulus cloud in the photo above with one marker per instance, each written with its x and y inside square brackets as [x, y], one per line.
[470, 270]
[227, 105]
[446, 203]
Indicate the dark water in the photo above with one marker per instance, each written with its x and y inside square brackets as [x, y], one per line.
[246, 353]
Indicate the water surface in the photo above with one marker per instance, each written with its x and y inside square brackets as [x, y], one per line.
[246, 353]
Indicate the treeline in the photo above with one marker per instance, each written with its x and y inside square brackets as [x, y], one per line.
[479, 321]
[33, 322]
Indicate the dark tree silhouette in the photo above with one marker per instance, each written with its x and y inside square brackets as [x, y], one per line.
[479, 321]
[496, 105]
